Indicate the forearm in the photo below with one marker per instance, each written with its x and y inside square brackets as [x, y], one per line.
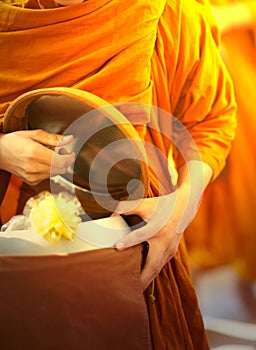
[196, 174]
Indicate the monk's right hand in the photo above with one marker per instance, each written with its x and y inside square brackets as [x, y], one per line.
[29, 154]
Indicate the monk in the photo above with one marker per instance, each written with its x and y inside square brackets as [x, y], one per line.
[228, 207]
[160, 54]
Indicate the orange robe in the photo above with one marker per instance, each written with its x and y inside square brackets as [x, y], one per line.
[226, 220]
[157, 53]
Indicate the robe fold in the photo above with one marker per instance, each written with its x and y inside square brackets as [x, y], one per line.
[160, 54]
[226, 220]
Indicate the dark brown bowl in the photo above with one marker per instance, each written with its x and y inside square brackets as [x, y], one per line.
[110, 161]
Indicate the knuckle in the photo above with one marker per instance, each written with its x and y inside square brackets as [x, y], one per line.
[62, 164]
[55, 138]
[60, 161]
[28, 170]
[31, 153]
[31, 179]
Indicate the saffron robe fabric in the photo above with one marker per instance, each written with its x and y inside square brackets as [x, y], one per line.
[226, 220]
[154, 53]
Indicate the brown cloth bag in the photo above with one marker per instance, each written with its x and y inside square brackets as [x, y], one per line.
[90, 300]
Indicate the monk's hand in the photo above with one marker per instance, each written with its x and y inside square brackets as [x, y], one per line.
[29, 154]
[166, 218]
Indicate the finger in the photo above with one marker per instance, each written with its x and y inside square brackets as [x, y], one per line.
[140, 207]
[49, 139]
[62, 151]
[65, 140]
[33, 179]
[138, 236]
[57, 171]
[60, 161]
[36, 174]
[146, 277]
[48, 157]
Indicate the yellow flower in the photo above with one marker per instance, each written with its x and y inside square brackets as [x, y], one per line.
[54, 216]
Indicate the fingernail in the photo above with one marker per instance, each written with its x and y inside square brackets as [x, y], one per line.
[62, 151]
[120, 245]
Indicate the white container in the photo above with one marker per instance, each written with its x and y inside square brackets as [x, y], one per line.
[94, 234]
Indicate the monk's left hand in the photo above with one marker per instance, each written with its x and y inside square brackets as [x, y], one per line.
[166, 219]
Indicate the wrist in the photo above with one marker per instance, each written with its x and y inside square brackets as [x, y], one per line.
[195, 174]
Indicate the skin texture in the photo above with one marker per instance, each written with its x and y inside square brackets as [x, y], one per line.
[29, 154]
[167, 218]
